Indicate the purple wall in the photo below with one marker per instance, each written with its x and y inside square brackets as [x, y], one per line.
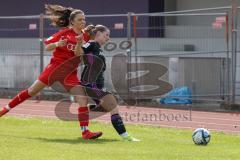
[29, 7]
[20, 28]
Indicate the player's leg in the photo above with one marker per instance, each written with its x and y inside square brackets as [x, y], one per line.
[36, 87]
[109, 103]
[95, 105]
[83, 110]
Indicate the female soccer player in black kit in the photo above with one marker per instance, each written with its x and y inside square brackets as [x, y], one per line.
[93, 80]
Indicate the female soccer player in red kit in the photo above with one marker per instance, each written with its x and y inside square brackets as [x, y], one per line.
[63, 45]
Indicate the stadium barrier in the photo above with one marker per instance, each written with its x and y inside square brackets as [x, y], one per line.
[148, 55]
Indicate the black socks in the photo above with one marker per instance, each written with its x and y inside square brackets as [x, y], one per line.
[118, 124]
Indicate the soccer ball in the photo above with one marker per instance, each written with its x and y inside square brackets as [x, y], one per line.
[201, 136]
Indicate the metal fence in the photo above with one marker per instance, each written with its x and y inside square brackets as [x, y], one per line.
[149, 54]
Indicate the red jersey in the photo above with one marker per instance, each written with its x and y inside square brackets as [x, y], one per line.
[61, 54]
[64, 63]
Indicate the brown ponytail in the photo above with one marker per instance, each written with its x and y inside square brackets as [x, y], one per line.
[61, 16]
[91, 30]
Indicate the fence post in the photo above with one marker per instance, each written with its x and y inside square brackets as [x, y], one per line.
[41, 38]
[136, 54]
[228, 93]
[234, 48]
[129, 55]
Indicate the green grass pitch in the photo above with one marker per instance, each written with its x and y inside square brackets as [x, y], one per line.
[43, 139]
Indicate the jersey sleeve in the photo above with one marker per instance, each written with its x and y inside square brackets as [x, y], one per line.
[56, 37]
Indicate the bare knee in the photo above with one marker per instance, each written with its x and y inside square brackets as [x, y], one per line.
[81, 100]
[77, 91]
[109, 103]
[114, 111]
[32, 91]
[36, 88]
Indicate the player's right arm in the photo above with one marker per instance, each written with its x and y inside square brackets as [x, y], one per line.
[52, 46]
[56, 40]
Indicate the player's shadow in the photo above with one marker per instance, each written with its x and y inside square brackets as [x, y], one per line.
[67, 141]
[75, 141]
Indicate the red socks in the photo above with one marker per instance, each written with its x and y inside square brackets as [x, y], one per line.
[83, 118]
[22, 96]
[3, 111]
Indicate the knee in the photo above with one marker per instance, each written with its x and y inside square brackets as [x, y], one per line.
[109, 103]
[32, 91]
[114, 111]
[82, 101]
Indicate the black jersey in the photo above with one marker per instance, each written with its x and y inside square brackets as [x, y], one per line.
[95, 64]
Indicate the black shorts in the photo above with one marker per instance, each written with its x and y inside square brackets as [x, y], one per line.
[94, 92]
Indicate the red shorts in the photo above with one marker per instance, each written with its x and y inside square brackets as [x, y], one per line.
[61, 76]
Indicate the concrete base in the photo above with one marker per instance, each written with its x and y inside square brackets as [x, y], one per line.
[232, 107]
